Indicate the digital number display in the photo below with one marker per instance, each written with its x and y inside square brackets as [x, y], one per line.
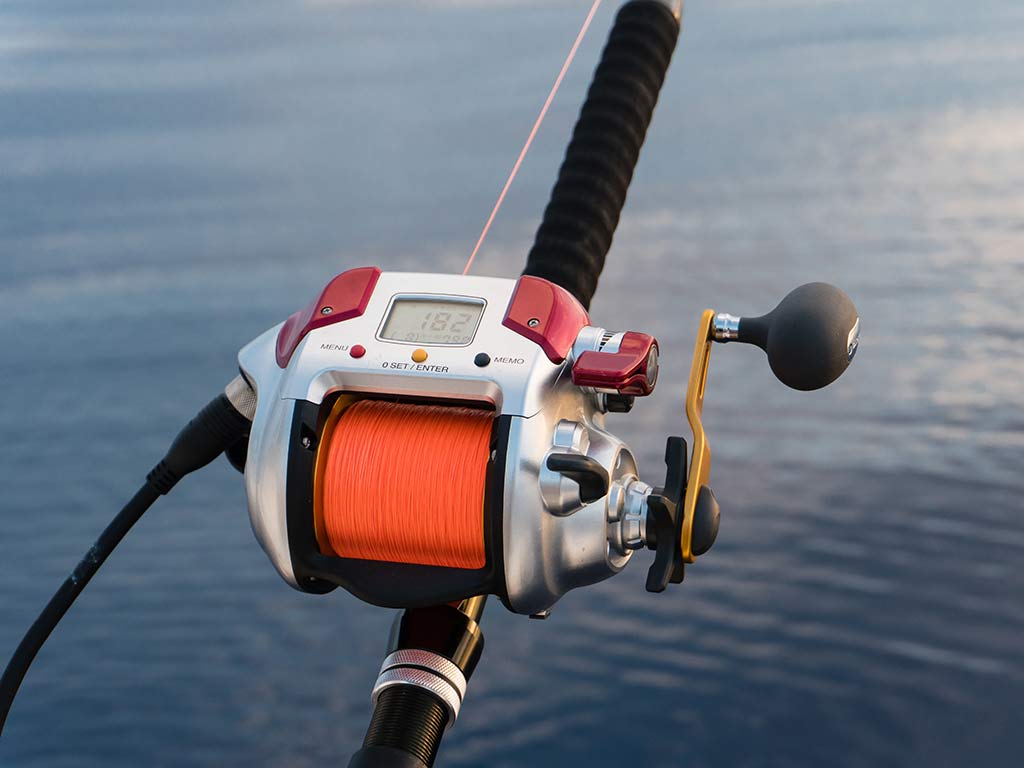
[433, 321]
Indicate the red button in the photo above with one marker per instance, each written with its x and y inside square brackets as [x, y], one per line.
[357, 351]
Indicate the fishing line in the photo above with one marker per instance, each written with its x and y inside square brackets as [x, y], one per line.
[533, 131]
[405, 483]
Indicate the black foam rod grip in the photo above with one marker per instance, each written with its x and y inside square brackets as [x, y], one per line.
[580, 219]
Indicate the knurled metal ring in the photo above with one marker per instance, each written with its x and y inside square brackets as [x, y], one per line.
[420, 678]
[429, 660]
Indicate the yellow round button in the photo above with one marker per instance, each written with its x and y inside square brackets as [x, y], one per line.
[419, 355]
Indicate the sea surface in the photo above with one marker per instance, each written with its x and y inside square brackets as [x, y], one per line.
[175, 177]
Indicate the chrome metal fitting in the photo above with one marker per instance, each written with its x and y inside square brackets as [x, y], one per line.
[587, 340]
[611, 341]
[627, 515]
[242, 396]
[427, 670]
[595, 339]
[726, 327]
[560, 494]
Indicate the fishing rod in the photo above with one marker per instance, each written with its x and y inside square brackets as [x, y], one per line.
[427, 440]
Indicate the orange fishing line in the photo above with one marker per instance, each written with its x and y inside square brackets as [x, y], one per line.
[405, 483]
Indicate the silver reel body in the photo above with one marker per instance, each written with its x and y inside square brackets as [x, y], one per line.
[517, 359]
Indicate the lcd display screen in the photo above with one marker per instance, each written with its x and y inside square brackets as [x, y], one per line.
[433, 321]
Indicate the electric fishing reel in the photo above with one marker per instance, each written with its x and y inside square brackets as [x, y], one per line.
[426, 440]
[420, 439]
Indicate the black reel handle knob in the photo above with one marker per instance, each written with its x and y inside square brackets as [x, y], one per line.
[810, 337]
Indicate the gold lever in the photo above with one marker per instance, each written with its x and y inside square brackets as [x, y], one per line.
[700, 458]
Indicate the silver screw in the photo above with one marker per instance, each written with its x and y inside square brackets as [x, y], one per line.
[326, 310]
[533, 322]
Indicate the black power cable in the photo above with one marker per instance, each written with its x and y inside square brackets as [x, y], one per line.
[213, 430]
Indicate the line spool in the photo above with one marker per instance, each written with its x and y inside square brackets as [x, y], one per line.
[403, 483]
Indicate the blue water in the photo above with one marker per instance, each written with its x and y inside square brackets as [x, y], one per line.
[176, 177]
